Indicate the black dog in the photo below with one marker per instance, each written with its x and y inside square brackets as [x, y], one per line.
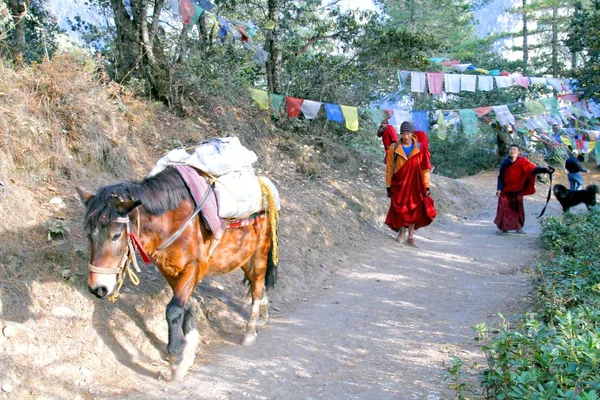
[570, 198]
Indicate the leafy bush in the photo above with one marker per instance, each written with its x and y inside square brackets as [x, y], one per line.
[459, 155]
[553, 353]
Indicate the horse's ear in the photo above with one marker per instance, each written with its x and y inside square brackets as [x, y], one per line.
[84, 195]
[125, 207]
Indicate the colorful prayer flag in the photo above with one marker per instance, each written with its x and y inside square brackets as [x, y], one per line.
[261, 98]
[293, 106]
[276, 102]
[469, 121]
[351, 117]
[421, 120]
[334, 112]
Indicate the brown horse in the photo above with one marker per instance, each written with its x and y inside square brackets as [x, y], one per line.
[155, 209]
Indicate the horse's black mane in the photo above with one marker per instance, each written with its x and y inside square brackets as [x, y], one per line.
[158, 194]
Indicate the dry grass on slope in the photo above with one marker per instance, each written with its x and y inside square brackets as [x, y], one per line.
[62, 124]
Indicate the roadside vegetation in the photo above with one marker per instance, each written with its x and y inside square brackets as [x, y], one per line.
[552, 351]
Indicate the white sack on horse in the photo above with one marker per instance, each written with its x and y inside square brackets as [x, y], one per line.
[239, 194]
[220, 156]
[177, 156]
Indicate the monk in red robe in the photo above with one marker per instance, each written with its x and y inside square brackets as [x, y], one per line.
[407, 179]
[388, 135]
[515, 180]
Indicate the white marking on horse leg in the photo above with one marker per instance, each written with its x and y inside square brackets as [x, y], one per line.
[251, 333]
[248, 296]
[263, 315]
[180, 365]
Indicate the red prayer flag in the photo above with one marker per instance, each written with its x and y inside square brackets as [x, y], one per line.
[186, 10]
[293, 105]
[450, 63]
[569, 97]
[481, 111]
[243, 32]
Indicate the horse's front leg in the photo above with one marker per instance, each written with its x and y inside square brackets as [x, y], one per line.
[183, 335]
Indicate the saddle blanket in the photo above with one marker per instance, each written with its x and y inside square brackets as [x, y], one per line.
[198, 186]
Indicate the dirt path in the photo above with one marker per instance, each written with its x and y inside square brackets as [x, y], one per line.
[385, 322]
[381, 323]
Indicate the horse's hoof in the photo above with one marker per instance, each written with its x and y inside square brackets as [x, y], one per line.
[249, 340]
[180, 364]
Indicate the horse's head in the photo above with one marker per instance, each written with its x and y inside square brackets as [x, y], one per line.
[107, 225]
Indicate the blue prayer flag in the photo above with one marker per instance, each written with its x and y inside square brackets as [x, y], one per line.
[334, 112]
[421, 120]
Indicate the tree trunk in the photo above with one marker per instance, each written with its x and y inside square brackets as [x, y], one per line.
[274, 63]
[525, 41]
[18, 9]
[126, 42]
[139, 46]
[411, 16]
[554, 41]
[202, 32]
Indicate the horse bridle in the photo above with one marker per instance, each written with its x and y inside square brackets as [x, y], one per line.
[129, 255]
[127, 259]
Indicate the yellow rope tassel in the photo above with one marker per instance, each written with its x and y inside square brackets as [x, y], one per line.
[273, 218]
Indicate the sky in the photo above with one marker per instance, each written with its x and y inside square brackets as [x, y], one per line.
[360, 4]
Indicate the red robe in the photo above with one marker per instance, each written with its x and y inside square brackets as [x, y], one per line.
[519, 181]
[388, 137]
[409, 205]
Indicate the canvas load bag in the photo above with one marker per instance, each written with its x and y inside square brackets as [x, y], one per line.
[220, 156]
[177, 156]
[239, 194]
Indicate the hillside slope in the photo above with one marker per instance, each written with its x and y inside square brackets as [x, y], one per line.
[62, 125]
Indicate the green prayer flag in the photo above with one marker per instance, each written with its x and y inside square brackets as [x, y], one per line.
[468, 118]
[276, 102]
[376, 114]
[551, 104]
[535, 107]
[197, 13]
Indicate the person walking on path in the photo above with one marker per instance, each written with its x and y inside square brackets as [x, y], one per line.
[573, 167]
[407, 178]
[388, 135]
[515, 180]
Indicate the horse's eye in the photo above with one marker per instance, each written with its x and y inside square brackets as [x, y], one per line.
[116, 237]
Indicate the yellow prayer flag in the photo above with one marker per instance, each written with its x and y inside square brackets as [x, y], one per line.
[567, 141]
[351, 117]
[483, 71]
[442, 128]
[261, 98]
[270, 25]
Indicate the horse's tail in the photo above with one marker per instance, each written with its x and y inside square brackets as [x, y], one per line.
[271, 276]
[273, 258]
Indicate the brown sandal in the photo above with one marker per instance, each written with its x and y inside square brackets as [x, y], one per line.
[411, 242]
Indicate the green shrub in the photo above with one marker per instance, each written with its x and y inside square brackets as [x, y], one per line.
[554, 352]
[459, 155]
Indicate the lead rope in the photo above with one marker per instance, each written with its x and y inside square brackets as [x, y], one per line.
[547, 198]
[124, 265]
